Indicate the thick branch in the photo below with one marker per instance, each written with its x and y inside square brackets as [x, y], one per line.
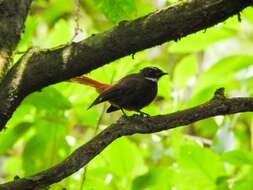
[41, 68]
[12, 17]
[219, 105]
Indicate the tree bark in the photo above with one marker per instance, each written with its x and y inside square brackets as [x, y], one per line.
[12, 17]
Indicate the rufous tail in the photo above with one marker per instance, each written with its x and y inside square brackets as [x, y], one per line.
[100, 87]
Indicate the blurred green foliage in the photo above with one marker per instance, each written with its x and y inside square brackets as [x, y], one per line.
[214, 154]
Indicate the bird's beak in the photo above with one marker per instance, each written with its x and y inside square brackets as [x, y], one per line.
[162, 74]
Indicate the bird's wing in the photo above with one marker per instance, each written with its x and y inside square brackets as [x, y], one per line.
[122, 88]
[112, 108]
[107, 95]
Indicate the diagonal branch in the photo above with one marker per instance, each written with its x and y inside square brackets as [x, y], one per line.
[12, 17]
[219, 105]
[38, 69]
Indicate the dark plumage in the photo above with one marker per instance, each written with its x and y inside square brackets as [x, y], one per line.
[133, 92]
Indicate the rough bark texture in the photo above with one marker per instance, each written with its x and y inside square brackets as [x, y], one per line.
[12, 17]
[38, 69]
[219, 105]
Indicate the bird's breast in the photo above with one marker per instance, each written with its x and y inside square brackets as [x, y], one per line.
[143, 94]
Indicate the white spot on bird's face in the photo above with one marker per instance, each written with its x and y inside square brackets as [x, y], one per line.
[151, 79]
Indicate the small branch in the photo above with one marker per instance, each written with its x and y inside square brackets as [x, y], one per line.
[51, 66]
[12, 17]
[129, 126]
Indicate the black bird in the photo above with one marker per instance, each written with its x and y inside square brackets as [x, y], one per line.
[133, 92]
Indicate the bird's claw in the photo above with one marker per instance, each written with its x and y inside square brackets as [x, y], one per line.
[143, 114]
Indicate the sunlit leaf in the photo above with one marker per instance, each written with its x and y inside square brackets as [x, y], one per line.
[197, 167]
[120, 159]
[200, 40]
[117, 10]
[244, 183]
[45, 147]
[238, 157]
[223, 72]
[156, 178]
[11, 136]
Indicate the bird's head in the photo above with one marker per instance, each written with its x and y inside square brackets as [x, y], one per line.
[152, 73]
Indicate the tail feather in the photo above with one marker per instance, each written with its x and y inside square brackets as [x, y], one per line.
[100, 87]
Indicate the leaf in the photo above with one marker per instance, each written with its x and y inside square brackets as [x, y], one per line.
[99, 178]
[155, 178]
[11, 136]
[200, 40]
[49, 100]
[30, 27]
[184, 70]
[122, 159]
[34, 156]
[25, 113]
[206, 128]
[56, 9]
[117, 10]
[59, 35]
[238, 157]
[12, 165]
[223, 72]
[245, 183]
[46, 147]
[198, 168]
[248, 14]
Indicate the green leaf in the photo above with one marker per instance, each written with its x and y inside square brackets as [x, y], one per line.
[30, 27]
[46, 147]
[117, 10]
[25, 113]
[13, 165]
[155, 178]
[198, 168]
[248, 14]
[49, 100]
[122, 160]
[60, 34]
[206, 128]
[56, 9]
[238, 157]
[245, 183]
[11, 136]
[200, 40]
[223, 72]
[99, 178]
[184, 70]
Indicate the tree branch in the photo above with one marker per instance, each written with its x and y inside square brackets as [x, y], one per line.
[12, 17]
[218, 105]
[38, 69]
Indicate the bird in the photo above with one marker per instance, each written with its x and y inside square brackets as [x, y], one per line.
[133, 92]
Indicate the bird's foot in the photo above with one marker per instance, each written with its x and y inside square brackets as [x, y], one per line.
[125, 116]
[143, 114]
